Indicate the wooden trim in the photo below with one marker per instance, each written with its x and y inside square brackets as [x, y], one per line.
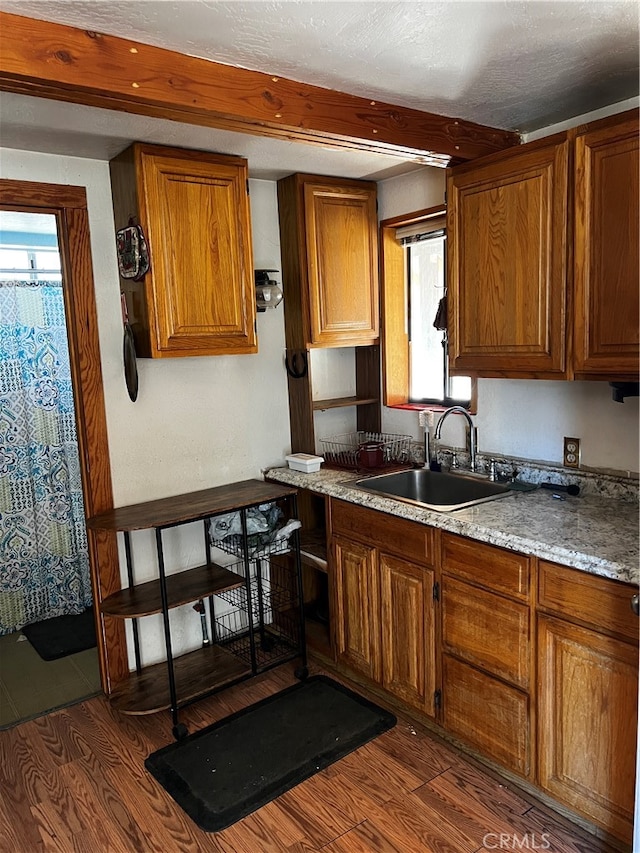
[394, 326]
[405, 219]
[368, 416]
[341, 402]
[69, 206]
[394, 321]
[65, 63]
[604, 123]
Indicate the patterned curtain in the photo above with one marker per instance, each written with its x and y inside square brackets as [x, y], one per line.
[44, 565]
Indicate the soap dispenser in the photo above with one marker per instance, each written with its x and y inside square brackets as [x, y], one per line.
[430, 443]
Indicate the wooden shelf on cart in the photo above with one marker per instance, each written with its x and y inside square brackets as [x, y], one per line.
[167, 512]
[182, 587]
[197, 673]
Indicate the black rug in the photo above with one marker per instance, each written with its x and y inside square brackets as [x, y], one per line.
[233, 767]
[63, 635]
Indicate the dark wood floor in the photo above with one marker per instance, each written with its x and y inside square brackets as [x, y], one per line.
[75, 781]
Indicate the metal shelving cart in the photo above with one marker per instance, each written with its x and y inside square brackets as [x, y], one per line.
[254, 603]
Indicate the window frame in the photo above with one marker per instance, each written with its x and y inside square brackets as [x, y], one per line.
[394, 305]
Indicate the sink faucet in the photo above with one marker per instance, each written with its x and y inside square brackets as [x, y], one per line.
[473, 435]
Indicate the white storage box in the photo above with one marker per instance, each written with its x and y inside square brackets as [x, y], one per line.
[304, 462]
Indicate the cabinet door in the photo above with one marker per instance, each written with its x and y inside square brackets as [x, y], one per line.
[342, 256]
[587, 722]
[487, 713]
[356, 607]
[408, 632]
[200, 289]
[606, 251]
[507, 234]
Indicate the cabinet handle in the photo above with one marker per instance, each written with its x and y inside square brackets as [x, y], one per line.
[635, 604]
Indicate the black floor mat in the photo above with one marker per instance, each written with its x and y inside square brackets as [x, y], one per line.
[63, 635]
[233, 767]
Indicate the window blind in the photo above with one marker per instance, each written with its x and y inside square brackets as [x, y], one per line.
[422, 230]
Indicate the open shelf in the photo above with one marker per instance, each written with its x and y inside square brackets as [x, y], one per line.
[182, 588]
[313, 548]
[340, 402]
[245, 598]
[197, 673]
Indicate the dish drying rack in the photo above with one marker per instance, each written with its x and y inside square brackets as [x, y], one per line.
[341, 451]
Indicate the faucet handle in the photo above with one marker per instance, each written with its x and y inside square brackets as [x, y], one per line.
[493, 473]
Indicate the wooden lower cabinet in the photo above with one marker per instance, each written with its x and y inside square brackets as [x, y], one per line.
[486, 630]
[486, 650]
[356, 610]
[383, 611]
[548, 692]
[588, 722]
[408, 632]
[487, 713]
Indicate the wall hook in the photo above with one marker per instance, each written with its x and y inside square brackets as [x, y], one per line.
[297, 364]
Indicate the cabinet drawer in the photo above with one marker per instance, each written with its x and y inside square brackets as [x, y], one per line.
[599, 602]
[486, 630]
[502, 571]
[393, 535]
[487, 714]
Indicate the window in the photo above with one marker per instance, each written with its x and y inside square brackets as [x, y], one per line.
[414, 314]
[29, 247]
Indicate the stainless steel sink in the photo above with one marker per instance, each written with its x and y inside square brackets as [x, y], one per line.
[434, 489]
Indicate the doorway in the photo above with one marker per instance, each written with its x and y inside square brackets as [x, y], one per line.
[67, 204]
[48, 655]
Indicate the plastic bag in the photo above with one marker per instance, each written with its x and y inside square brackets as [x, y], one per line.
[263, 529]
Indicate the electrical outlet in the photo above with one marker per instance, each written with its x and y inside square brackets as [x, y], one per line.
[571, 458]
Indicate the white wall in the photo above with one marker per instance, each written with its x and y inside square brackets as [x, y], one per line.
[197, 422]
[525, 418]
[611, 109]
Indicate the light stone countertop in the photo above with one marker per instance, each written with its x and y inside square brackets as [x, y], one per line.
[597, 535]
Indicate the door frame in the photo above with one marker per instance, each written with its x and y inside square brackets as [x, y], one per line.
[69, 205]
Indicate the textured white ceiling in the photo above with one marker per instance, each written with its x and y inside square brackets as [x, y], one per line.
[517, 65]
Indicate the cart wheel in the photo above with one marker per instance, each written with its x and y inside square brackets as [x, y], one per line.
[180, 731]
[301, 673]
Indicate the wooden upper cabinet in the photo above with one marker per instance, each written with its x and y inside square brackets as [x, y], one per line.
[606, 259]
[507, 245]
[198, 296]
[517, 305]
[328, 230]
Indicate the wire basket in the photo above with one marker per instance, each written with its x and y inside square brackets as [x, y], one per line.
[345, 450]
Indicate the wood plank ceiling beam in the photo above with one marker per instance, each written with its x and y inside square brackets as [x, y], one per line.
[65, 63]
